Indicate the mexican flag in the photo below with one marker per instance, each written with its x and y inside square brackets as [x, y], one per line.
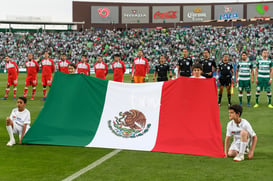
[177, 116]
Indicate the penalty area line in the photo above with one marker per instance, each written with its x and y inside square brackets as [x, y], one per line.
[92, 165]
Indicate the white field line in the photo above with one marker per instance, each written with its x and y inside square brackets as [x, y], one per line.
[92, 165]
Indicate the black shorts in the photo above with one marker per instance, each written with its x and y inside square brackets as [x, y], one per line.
[185, 74]
[160, 79]
[225, 81]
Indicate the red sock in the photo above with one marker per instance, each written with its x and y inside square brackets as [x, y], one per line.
[25, 92]
[7, 92]
[44, 92]
[33, 91]
[14, 92]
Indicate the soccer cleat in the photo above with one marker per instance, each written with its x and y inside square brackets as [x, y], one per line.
[11, 143]
[32, 98]
[270, 106]
[4, 98]
[256, 105]
[248, 105]
[239, 157]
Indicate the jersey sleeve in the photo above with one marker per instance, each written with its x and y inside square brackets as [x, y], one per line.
[249, 129]
[16, 67]
[124, 67]
[228, 133]
[53, 66]
[37, 66]
[106, 69]
[59, 67]
[27, 118]
[88, 69]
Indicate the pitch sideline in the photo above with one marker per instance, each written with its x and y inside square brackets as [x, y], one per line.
[92, 165]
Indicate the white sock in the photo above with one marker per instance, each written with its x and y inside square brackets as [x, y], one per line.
[243, 147]
[10, 132]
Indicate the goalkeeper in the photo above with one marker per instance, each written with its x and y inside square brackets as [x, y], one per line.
[140, 69]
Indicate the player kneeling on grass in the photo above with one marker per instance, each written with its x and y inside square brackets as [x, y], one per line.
[244, 137]
[18, 122]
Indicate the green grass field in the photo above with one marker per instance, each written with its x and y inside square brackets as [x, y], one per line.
[35, 162]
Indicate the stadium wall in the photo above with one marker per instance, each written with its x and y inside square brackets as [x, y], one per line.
[143, 15]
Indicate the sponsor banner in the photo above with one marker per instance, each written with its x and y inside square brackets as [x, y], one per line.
[166, 14]
[196, 13]
[227, 12]
[104, 14]
[260, 11]
[134, 14]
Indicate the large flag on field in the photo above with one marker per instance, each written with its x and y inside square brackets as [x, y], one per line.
[177, 116]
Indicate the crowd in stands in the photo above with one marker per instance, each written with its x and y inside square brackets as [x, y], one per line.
[153, 42]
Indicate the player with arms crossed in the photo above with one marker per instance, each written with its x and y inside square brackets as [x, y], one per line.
[263, 77]
[31, 79]
[244, 73]
[13, 71]
[48, 67]
[162, 70]
[140, 69]
[184, 65]
[209, 65]
[63, 64]
[244, 137]
[101, 68]
[83, 67]
[225, 68]
[119, 68]
[18, 122]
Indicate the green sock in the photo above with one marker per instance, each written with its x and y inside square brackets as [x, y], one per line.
[219, 98]
[269, 99]
[257, 98]
[248, 99]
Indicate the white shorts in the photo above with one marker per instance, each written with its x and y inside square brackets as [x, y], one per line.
[235, 145]
[18, 129]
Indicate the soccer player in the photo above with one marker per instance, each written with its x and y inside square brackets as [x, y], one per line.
[184, 65]
[13, 71]
[140, 69]
[101, 68]
[225, 68]
[83, 67]
[244, 73]
[63, 64]
[119, 68]
[162, 70]
[48, 67]
[209, 65]
[244, 137]
[72, 68]
[31, 79]
[197, 71]
[263, 77]
[18, 122]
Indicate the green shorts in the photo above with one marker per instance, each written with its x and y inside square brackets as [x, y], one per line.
[263, 85]
[244, 85]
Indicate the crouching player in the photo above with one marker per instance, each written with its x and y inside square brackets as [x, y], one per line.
[244, 137]
[18, 122]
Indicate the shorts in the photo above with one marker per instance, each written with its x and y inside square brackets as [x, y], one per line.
[31, 81]
[225, 81]
[46, 80]
[18, 128]
[160, 79]
[244, 85]
[12, 81]
[263, 85]
[139, 79]
[235, 145]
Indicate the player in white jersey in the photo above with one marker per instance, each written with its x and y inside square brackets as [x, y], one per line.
[244, 137]
[18, 122]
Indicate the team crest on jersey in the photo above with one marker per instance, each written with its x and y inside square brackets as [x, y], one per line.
[209, 63]
[129, 124]
[187, 63]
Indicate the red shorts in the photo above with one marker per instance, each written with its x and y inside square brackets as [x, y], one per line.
[46, 80]
[12, 81]
[31, 80]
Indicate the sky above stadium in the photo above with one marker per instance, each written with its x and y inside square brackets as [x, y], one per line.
[61, 10]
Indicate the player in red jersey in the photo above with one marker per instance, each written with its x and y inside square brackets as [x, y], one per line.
[119, 68]
[140, 68]
[83, 67]
[31, 79]
[13, 71]
[63, 64]
[101, 68]
[48, 67]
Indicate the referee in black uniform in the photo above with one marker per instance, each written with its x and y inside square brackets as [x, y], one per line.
[209, 65]
[162, 69]
[184, 65]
